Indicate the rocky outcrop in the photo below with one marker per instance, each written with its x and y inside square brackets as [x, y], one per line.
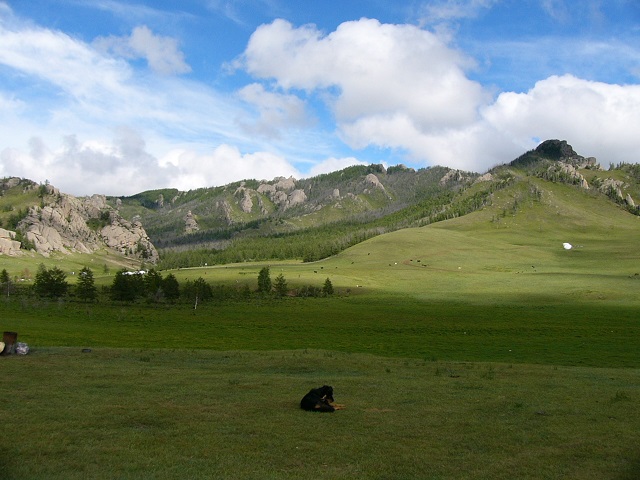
[612, 188]
[570, 171]
[129, 238]
[285, 184]
[487, 177]
[297, 197]
[246, 203]
[372, 180]
[8, 245]
[561, 151]
[283, 193]
[190, 223]
[267, 189]
[64, 223]
[556, 150]
[452, 176]
[629, 201]
[225, 210]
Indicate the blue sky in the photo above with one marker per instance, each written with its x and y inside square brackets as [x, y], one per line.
[117, 97]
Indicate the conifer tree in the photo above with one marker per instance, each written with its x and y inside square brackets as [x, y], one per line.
[264, 280]
[327, 289]
[85, 287]
[280, 285]
[171, 287]
[50, 282]
[5, 282]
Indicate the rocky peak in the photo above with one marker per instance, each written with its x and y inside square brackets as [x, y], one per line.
[556, 150]
[561, 151]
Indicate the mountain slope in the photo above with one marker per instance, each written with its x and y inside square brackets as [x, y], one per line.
[521, 253]
[318, 217]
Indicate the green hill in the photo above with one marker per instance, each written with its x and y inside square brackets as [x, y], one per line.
[549, 194]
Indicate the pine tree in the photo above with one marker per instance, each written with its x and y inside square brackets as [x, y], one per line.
[5, 282]
[327, 289]
[280, 285]
[85, 287]
[171, 287]
[264, 280]
[50, 282]
[153, 284]
[127, 287]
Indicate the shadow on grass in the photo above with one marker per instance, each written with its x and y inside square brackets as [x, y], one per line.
[4, 464]
[633, 472]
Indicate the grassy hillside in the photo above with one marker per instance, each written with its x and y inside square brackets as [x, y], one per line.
[512, 248]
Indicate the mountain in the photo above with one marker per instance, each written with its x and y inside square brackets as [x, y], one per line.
[288, 218]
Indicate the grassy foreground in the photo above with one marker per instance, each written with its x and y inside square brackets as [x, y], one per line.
[135, 413]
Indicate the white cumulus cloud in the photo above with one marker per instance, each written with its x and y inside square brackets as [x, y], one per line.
[387, 84]
[224, 164]
[404, 88]
[598, 119]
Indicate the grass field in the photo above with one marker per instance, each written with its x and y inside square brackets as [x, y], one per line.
[575, 334]
[476, 348]
[179, 413]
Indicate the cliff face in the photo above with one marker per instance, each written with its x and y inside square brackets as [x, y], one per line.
[64, 223]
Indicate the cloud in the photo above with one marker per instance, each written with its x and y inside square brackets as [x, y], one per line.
[161, 53]
[240, 12]
[435, 12]
[557, 10]
[61, 60]
[94, 119]
[65, 137]
[609, 60]
[333, 164]
[599, 119]
[403, 88]
[276, 111]
[225, 164]
[10, 105]
[85, 167]
[377, 77]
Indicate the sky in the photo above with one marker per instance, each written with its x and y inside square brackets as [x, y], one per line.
[117, 97]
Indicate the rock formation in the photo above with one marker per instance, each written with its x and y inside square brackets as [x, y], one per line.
[8, 245]
[283, 192]
[190, 223]
[452, 176]
[64, 223]
[297, 197]
[570, 171]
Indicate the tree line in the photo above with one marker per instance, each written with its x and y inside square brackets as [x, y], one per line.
[152, 286]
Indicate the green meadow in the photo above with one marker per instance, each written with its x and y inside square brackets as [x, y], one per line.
[475, 348]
